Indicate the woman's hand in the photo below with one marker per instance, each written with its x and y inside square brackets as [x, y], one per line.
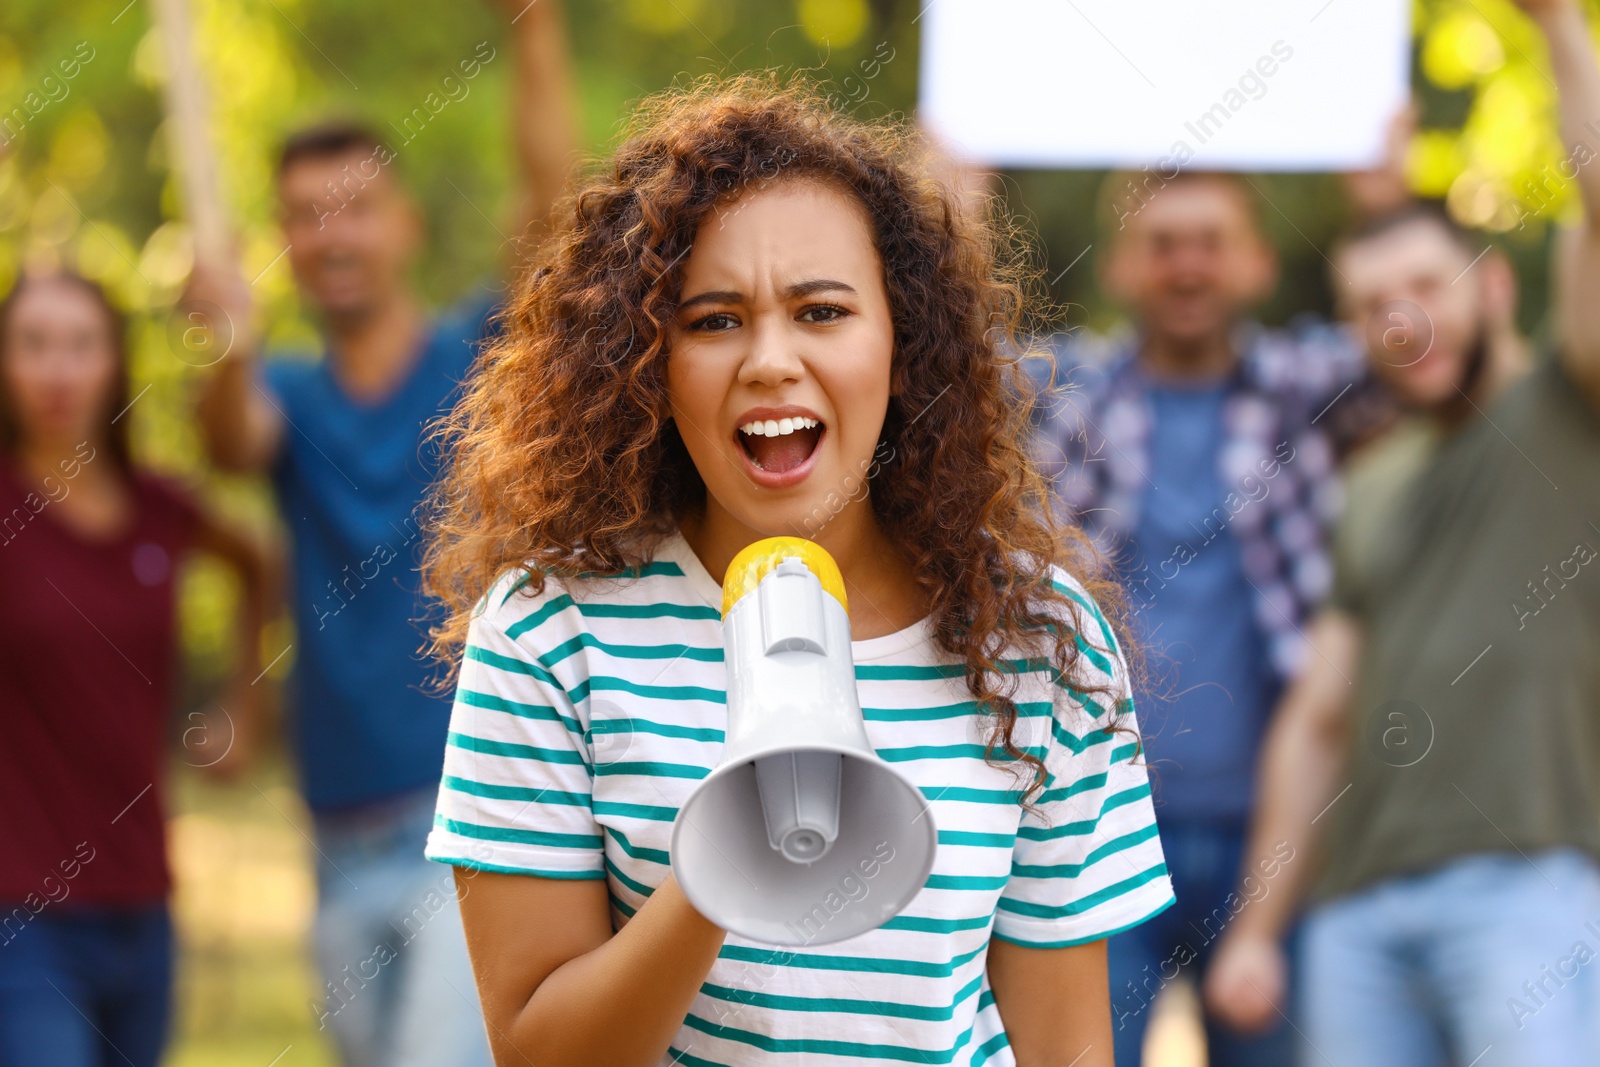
[1247, 980]
[1541, 8]
[223, 742]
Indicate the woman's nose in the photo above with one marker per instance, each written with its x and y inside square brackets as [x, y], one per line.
[773, 354]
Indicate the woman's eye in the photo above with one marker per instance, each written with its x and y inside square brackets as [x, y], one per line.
[823, 313]
[715, 323]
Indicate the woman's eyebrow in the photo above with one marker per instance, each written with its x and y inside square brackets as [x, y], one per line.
[793, 292]
[816, 285]
[716, 296]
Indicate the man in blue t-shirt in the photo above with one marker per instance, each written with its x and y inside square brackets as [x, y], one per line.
[1197, 453]
[343, 438]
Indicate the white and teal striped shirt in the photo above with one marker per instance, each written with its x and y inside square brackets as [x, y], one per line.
[586, 714]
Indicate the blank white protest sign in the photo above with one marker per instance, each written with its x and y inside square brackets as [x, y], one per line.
[1235, 84]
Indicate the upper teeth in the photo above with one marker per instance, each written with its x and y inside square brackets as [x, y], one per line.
[778, 427]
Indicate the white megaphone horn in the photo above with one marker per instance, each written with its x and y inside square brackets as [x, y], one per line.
[802, 835]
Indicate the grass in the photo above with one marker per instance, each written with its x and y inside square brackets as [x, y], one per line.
[243, 907]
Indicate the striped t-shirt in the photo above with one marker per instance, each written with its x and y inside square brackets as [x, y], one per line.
[587, 713]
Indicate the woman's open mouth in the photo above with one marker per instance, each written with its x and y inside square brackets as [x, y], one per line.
[779, 452]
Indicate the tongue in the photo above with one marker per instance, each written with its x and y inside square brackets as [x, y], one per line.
[780, 454]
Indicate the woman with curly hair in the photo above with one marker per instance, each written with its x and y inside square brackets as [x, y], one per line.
[766, 318]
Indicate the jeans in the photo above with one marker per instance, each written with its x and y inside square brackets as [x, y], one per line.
[86, 987]
[1490, 960]
[1205, 861]
[398, 988]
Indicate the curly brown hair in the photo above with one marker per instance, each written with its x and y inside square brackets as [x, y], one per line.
[562, 458]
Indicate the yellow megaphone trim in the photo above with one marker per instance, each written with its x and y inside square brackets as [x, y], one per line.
[759, 559]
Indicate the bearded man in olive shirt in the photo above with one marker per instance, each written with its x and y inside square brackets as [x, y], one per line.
[1439, 761]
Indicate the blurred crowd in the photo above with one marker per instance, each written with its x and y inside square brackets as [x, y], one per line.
[1354, 551]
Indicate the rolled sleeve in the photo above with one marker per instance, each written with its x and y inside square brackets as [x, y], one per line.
[1087, 862]
[517, 790]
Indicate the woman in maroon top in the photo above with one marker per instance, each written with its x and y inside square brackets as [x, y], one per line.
[89, 549]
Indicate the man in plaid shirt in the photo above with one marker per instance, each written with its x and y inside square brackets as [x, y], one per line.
[1199, 452]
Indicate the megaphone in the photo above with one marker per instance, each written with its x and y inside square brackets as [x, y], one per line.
[802, 835]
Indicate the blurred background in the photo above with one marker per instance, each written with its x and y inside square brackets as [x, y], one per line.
[87, 181]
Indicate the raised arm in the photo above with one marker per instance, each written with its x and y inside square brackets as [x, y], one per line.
[1301, 762]
[559, 989]
[1382, 189]
[241, 428]
[543, 110]
[227, 741]
[1577, 273]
